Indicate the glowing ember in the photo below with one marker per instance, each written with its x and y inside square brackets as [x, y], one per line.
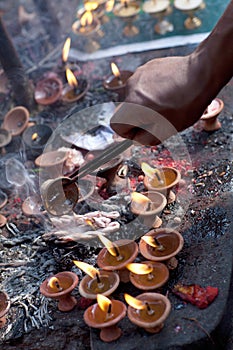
[104, 303]
[66, 49]
[86, 19]
[72, 81]
[54, 284]
[88, 269]
[135, 303]
[140, 269]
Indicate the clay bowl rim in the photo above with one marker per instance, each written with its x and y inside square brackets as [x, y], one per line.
[215, 113]
[156, 210]
[118, 6]
[9, 114]
[121, 266]
[153, 297]
[108, 292]
[143, 245]
[164, 188]
[56, 97]
[48, 294]
[109, 323]
[62, 159]
[8, 134]
[153, 263]
[111, 77]
[156, 12]
[79, 97]
[8, 304]
[95, 29]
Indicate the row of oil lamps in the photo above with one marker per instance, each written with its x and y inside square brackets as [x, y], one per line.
[93, 14]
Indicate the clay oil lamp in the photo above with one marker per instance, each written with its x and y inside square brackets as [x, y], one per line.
[96, 281]
[162, 245]
[32, 206]
[189, 7]
[64, 61]
[75, 89]
[105, 315]
[116, 255]
[16, 120]
[3, 220]
[88, 26]
[117, 81]
[210, 117]
[148, 275]
[48, 89]
[98, 8]
[4, 307]
[35, 138]
[52, 162]
[159, 9]
[148, 206]
[128, 11]
[5, 139]
[60, 287]
[148, 310]
[162, 180]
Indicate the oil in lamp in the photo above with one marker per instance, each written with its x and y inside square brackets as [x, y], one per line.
[162, 180]
[16, 120]
[88, 26]
[4, 307]
[148, 275]
[159, 9]
[148, 310]
[116, 255]
[128, 12]
[48, 89]
[59, 287]
[210, 116]
[161, 245]
[96, 281]
[148, 206]
[189, 7]
[75, 89]
[105, 315]
[117, 81]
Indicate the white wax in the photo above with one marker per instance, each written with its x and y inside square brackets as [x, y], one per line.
[154, 6]
[186, 5]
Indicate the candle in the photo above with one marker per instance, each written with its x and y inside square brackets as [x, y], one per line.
[155, 6]
[105, 315]
[75, 89]
[148, 310]
[148, 275]
[187, 5]
[60, 287]
[96, 281]
[4, 307]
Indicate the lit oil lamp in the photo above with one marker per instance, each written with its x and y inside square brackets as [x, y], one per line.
[98, 7]
[148, 206]
[116, 255]
[88, 26]
[161, 245]
[148, 310]
[75, 89]
[159, 9]
[96, 281]
[4, 307]
[35, 138]
[48, 89]
[117, 81]
[128, 12]
[189, 7]
[105, 315]
[59, 287]
[65, 63]
[161, 180]
[5, 139]
[210, 116]
[16, 120]
[148, 275]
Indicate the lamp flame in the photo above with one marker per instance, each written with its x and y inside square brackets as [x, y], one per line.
[140, 269]
[34, 136]
[151, 172]
[150, 240]
[66, 49]
[139, 198]
[109, 5]
[104, 303]
[135, 303]
[90, 6]
[86, 19]
[115, 70]
[54, 284]
[90, 222]
[88, 269]
[72, 81]
[108, 244]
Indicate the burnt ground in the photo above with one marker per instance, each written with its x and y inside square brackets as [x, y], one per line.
[203, 214]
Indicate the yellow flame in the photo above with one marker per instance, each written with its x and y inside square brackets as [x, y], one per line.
[86, 19]
[109, 5]
[54, 284]
[66, 49]
[90, 222]
[108, 244]
[115, 69]
[88, 269]
[91, 5]
[140, 269]
[149, 240]
[34, 136]
[135, 303]
[103, 302]
[139, 198]
[72, 81]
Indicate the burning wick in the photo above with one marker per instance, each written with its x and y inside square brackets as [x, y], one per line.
[138, 304]
[116, 72]
[35, 137]
[72, 81]
[141, 269]
[153, 242]
[141, 202]
[111, 247]
[53, 283]
[151, 172]
[105, 305]
[91, 271]
[149, 310]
